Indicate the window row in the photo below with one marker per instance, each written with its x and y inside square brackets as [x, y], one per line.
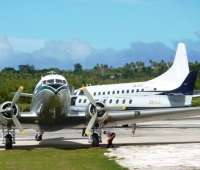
[54, 81]
[117, 92]
[117, 101]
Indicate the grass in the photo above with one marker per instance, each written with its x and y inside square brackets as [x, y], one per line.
[59, 159]
[196, 102]
[24, 107]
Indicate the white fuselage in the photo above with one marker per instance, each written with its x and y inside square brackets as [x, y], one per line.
[139, 102]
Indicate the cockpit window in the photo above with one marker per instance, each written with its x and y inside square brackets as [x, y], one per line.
[81, 92]
[56, 81]
[50, 81]
[59, 81]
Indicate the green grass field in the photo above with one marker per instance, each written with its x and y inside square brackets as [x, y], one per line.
[57, 159]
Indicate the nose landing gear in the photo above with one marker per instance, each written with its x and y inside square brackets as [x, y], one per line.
[38, 137]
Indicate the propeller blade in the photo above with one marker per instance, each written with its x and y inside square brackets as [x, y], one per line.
[18, 125]
[17, 95]
[114, 108]
[90, 124]
[89, 96]
[2, 110]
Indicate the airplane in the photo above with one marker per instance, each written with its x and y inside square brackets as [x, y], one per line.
[179, 97]
[169, 80]
[50, 110]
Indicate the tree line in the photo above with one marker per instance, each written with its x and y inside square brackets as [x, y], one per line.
[28, 76]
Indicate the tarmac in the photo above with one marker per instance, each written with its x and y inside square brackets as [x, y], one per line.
[159, 132]
[170, 144]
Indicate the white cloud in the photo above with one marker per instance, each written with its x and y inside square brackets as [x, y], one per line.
[4, 43]
[197, 33]
[26, 44]
[74, 50]
[64, 55]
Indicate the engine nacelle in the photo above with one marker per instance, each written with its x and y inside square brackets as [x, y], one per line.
[6, 117]
[101, 114]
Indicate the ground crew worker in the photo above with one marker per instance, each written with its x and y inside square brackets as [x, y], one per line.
[133, 129]
[111, 135]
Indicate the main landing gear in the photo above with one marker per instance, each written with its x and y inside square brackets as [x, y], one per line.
[8, 136]
[95, 135]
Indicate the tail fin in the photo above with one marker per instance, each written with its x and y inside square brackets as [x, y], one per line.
[178, 71]
[186, 88]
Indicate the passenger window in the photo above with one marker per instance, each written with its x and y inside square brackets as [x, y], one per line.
[117, 101]
[122, 91]
[130, 101]
[84, 100]
[94, 93]
[155, 89]
[108, 92]
[117, 91]
[110, 101]
[103, 93]
[99, 93]
[123, 101]
[113, 92]
[137, 90]
[132, 91]
[79, 101]
[104, 101]
[127, 91]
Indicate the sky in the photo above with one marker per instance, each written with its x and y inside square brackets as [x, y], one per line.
[62, 33]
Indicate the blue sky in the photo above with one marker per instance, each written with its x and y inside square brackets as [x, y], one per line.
[61, 33]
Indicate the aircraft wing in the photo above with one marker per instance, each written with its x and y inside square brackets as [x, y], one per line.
[138, 116]
[24, 94]
[27, 94]
[30, 114]
[131, 116]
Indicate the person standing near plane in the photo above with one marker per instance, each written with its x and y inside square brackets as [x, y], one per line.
[133, 129]
[111, 136]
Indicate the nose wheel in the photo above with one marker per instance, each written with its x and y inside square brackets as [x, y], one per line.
[38, 137]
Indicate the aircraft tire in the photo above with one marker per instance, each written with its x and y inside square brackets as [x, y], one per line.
[95, 140]
[8, 144]
[38, 137]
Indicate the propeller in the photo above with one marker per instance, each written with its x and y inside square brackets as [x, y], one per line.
[92, 120]
[9, 109]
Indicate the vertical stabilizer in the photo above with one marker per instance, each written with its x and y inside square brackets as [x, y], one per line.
[174, 77]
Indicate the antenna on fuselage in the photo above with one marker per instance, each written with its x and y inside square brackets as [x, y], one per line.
[51, 72]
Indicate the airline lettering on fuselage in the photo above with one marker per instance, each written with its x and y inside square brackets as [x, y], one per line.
[155, 102]
[139, 85]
